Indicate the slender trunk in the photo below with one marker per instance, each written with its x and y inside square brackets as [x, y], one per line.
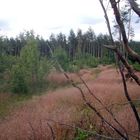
[107, 21]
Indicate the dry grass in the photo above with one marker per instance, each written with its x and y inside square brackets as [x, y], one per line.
[29, 122]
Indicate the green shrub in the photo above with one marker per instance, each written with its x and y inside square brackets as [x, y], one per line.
[30, 70]
[6, 62]
[81, 135]
[86, 61]
[19, 80]
[62, 58]
[136, 66]
[43, 69]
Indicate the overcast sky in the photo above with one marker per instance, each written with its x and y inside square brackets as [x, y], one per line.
[53, 16]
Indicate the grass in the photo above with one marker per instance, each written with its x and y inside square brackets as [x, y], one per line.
[10, 101]
[66, 106]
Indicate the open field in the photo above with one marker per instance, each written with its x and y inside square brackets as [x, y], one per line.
[50, 115]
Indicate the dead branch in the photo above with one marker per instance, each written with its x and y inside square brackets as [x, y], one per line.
[93, 108]
[33, 131]
[52, 132]
[129, 98]
[109, 30]
[135, 7]
[85, 100]
[92, 94]
[126, 64]
[131, 52]
[107, 20]
[118, 104]
[94, 133]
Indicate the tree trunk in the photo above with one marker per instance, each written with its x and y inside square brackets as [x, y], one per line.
[135, 7]
[132, 53]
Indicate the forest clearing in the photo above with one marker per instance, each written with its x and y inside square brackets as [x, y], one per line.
[70, 70]
[64, 107]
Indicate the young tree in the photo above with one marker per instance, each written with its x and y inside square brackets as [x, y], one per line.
[72, 42]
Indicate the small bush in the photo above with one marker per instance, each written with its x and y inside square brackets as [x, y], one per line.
[62, 58]
[6, 62]
[19, 79]
[86, 61]
[30, 70]
[81, 135]
[136, 66]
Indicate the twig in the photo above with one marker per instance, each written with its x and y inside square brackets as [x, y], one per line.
[129, 98]
[33, 131]
[126, 64]
[87, 131]
[92, 94]
[118, 104]
[52, 132]
[85, 100]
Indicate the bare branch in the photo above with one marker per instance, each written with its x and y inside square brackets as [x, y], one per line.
[111, 47]
[109, 28]
[135, 7]
[131, 52]
[107, 21]
[33, 131]
[112, 115]
[124, 61]
[52, 132]
[88, 103]
[118, 104]
[94, 133]
[129, 98]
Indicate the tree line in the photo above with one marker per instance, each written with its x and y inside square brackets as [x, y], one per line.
[27, 58]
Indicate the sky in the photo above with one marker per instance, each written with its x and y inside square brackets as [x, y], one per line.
[53, 16]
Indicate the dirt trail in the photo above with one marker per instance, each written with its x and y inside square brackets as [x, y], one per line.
[30, 121]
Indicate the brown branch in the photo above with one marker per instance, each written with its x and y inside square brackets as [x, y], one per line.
[86, 102]
[129, 98]
[33, 131]
[87, 131]
[109, 29]
[52, 132]
[92, 94]
[135, 7]
[118, 104]
[93, 108]
[126, 64]
[131, 52]
[107, 21]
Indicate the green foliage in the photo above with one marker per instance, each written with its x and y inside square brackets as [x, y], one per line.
[29, 57]
[6, 62]
[106, 60]
[136, 66]
[81, 135]
[30, 69]
[86, 61]
[76, 64]
[43, 69]
[19, 79]
[62, 58]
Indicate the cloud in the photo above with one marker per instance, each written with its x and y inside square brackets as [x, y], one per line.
[90, 20]
[52, 16]
[4, 24]
[55, 28]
